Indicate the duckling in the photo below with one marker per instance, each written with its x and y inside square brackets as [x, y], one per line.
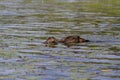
[73, 39]
[51, 40]
[70, 39]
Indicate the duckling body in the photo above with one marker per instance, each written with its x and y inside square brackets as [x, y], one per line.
[73, 39]
[70, 39]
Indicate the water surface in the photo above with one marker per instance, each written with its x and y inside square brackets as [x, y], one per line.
[26, 24]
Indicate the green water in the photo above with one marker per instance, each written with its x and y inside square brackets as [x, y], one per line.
[26, 24]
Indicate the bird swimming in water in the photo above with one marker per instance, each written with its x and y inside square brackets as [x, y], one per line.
[73, 39]
[51, 40]
[66, 40]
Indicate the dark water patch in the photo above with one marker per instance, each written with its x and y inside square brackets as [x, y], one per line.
[117, 54]
[115, 29]
[115, 49]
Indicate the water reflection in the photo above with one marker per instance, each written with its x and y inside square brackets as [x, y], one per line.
[25, 25]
